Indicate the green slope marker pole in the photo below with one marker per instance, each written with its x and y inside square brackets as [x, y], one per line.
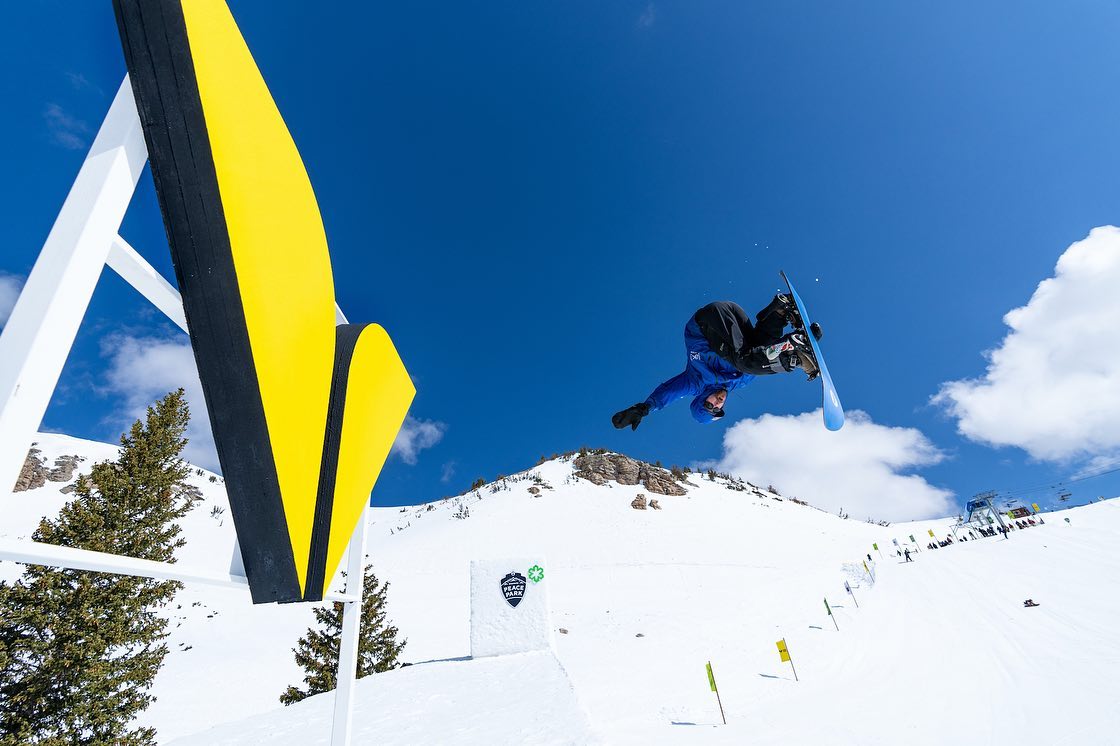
[829, 608]
[712, 683]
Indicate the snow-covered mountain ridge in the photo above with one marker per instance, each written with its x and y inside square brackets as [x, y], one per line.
[645, 597]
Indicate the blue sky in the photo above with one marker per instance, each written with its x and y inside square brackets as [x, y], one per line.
[533, 198]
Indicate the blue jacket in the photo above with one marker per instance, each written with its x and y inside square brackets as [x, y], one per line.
[704, 373]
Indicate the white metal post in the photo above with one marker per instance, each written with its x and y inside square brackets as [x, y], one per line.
[351, 626]
[42, 326]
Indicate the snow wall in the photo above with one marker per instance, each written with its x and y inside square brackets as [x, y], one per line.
[509, 606]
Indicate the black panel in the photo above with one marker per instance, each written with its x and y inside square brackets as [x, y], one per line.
[157, 54]
[346, 340]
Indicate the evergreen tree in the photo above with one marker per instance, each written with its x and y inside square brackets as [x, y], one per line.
[79, 650]
[317, 651]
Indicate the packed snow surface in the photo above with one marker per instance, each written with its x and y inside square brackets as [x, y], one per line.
[941, 649]
[469, 701]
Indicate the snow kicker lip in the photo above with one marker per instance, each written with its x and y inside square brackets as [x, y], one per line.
[303, 415]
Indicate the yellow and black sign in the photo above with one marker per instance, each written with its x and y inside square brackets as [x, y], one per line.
[304, 413]
[783, 651]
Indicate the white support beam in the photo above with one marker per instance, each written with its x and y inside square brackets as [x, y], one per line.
[37, 553]
[137, 272]
[42, 326]
[347, 672]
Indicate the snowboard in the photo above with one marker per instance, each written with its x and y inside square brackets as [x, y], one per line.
[833, 412]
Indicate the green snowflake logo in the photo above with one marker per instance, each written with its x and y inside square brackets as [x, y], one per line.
[536, 573]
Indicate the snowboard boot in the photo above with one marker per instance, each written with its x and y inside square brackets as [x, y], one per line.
[791, 351]
[782, 307]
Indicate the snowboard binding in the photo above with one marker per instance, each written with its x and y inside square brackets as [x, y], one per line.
[803, 350]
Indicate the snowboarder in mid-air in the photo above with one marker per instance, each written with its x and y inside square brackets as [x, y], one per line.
[726, 351]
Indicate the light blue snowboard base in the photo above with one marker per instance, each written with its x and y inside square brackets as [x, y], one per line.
[833, 412]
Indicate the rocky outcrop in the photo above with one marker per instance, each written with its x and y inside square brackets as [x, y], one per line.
[600, 468]
[35, 472]
[192, 493]
[33, 475]
[654, 505]
[64, 468]
[639, 502]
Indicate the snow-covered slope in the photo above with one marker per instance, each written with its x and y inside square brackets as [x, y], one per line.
[940, 648]
[512, 699]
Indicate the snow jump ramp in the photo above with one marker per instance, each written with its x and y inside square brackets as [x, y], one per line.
[512, 690]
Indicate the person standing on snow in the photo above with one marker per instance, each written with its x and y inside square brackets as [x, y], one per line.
[725, 352]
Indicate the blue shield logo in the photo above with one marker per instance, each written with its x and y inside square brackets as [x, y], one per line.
[513, 588]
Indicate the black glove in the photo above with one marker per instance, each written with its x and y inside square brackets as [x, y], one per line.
[632, 416]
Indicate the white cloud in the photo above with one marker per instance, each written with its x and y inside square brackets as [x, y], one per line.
[1052, 386]
[66, 130]
[143, 369]
[81, 83]
[1096, 466]
[9, 291]
[415, 436]
[859, 468]
[648, 16]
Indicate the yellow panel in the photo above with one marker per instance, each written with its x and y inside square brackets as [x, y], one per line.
[378, 395]
[279, 252]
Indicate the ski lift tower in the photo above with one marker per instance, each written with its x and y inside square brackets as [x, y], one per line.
[981, 512]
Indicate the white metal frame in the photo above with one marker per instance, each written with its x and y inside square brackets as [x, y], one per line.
[40, 332]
